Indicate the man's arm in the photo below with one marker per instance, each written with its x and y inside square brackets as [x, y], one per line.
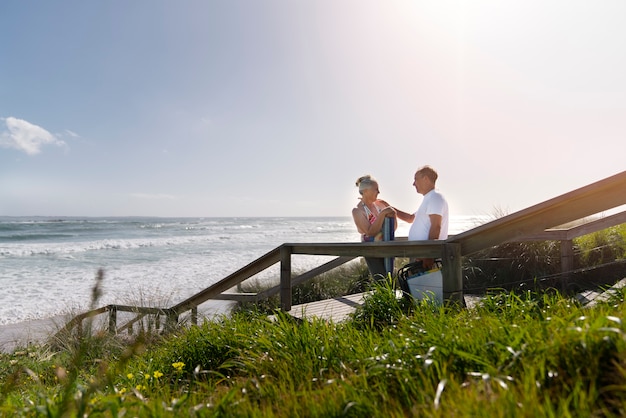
[435, 226]
[433, 233]
[406, 217]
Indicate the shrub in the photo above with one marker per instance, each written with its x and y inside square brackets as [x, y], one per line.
[383, 307]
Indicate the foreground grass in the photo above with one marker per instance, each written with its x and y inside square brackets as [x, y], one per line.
[515, 355]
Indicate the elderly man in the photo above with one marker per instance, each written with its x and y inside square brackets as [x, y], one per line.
[431, 219]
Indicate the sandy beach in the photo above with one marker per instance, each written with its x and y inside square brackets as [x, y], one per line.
[22, 334]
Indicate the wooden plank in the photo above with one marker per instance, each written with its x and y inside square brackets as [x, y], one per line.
[140, 309]
[408, 249]
[597, 225]
[339, 261]
[547, 235]
[130, 323]
[294, 281]
[567, 262]
[452, 274]
[306, 276]
[285, 278]
[239, 297]
[586, 201]
[337, 309]
[563, 234]
[235, 278]
[78, 319]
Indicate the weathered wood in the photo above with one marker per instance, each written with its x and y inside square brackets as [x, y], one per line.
[547, 235]
[597, 225]
[285, 277]
[452, 274]
[567, 261]
[562, 234]
[257, 266]
[320, 270]
[409, 249]
[77, 321]
[336, 309]
[141, 312]
[239, 297]
[586, 201]
[113, 320]
[139, 309]
[254, 297]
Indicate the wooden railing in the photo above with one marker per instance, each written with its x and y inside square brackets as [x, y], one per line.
[578, 204]
[537, 222]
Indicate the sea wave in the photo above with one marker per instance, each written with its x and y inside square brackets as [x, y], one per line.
[33, 249]
[53, 268]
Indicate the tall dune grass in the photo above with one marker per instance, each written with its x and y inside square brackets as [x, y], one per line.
[529, 354]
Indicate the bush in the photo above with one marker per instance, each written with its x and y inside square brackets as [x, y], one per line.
[383, 307]
[599, 260]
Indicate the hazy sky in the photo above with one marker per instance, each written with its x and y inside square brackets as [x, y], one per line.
[275, 108]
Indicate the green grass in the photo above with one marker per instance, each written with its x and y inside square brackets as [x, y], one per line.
[529, 354]
[519, 353]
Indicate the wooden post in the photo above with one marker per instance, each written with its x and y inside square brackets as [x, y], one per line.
[452, 274]
[567, 262]
[113, 320]
[285, 278]
[194, 315]
[171, 319]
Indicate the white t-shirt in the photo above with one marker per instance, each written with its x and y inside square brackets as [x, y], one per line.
[433, 204]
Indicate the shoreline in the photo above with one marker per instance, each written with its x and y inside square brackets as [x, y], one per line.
[38, 331]
[32, 332]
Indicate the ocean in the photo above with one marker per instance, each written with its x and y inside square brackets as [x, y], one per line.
[48, 265]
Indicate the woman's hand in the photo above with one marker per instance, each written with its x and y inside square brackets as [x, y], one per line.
[388, 212]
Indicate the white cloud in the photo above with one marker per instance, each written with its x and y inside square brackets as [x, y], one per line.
[72, 134]
[26, 137]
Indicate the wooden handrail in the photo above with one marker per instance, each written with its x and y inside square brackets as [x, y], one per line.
[563, 234]
[589, 200]
[257, 266]
[253, 297]
[371, 249]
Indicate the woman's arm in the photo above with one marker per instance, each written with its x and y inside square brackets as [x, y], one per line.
[360, 220]
[363, 225]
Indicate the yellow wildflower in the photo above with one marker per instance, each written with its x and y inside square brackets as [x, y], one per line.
[157, 374]
[178, 365]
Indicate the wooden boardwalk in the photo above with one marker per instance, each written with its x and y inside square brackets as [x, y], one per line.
[336, 310]
[339, 309]
[544, 221]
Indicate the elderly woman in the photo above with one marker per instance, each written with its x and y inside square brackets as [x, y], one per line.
[369, 216]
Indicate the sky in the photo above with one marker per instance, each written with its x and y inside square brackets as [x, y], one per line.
[276, 107]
